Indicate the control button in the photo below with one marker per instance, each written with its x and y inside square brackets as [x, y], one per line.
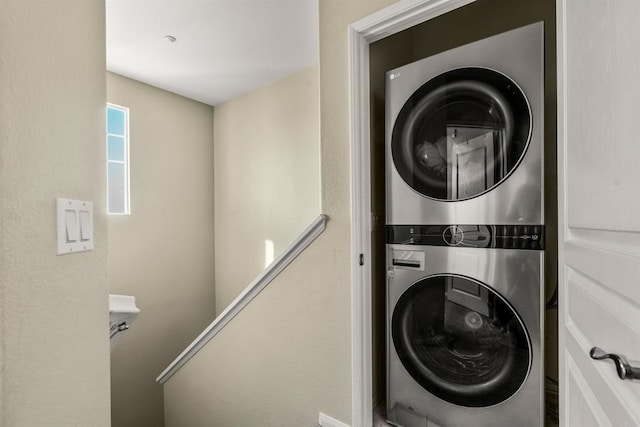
[453, 235]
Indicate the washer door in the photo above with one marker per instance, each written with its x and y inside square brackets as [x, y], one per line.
[461, 134]
[461, 341]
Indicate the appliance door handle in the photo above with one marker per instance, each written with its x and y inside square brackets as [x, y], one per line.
[413, 263]
[625, 370]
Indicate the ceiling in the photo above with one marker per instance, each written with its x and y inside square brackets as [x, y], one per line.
[222, 48]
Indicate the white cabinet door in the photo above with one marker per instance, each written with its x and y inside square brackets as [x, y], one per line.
[599, 203]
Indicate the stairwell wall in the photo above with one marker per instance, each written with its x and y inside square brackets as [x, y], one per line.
[163, 252]
[287, 355]
[267, 167]
[54, 310]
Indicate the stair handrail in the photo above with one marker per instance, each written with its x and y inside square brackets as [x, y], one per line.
[250, 292]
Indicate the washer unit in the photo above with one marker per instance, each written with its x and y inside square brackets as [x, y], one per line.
[464, 132]
[464, 326]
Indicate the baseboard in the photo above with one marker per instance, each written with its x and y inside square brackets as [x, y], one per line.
[327, 421]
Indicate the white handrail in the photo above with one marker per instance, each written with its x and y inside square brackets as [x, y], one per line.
[300, 244]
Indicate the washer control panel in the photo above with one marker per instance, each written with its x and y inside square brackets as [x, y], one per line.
[471, 236]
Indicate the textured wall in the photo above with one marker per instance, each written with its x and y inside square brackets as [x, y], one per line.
[267, 172]
[163, 252]
[287, 356]
[54, 309]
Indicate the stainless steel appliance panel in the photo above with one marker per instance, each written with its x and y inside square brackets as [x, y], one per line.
[515, 276]
[506, 196]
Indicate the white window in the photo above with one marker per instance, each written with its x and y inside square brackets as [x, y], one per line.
[118, 160]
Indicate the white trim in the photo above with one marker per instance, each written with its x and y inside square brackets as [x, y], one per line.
[564, 357]
[388, 21]
[290, 253]
[327, 421]
[402, 15]
[360, 230]
[125, 162]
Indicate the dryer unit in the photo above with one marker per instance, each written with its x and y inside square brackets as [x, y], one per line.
[464, 326]
[464, 132]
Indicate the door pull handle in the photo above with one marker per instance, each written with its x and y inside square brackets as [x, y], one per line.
[625, 370]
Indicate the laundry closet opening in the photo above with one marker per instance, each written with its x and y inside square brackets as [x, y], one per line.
[477, 21]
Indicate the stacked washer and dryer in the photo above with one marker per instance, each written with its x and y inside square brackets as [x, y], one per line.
[465, 235]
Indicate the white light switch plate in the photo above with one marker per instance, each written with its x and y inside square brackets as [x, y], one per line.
[74, 226]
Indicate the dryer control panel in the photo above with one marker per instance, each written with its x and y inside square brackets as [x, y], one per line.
[470, 236]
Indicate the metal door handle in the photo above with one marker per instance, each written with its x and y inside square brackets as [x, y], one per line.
[625, 371]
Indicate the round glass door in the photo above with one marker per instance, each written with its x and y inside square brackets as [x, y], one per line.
[461, 134]
[461, 341]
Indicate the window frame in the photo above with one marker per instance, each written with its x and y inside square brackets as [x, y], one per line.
[125, 162]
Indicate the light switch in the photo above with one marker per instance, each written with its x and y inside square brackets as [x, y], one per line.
[71, 225]
[86, 226]
[74, 226]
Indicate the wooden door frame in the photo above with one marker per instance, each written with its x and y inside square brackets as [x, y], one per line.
[386, 22]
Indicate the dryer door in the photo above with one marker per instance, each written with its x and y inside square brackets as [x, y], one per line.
[461, 134]
[461, 341]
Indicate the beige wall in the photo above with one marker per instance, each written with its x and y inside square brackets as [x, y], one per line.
[287, 356]
[54, 309]
[163, 252]
[267, 176]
